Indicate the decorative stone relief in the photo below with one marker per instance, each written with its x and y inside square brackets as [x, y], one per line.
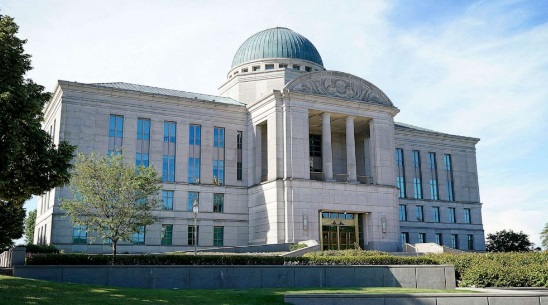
[340, 85]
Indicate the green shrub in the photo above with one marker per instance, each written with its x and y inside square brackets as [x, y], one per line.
[344, 253]
[297, 246]
[498, 269]
[32, 248]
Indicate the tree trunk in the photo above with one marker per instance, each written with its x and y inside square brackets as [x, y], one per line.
[114, 251]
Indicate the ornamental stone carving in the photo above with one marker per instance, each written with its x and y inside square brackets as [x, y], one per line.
[339, 85]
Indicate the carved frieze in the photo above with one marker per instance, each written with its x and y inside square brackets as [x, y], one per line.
[339, 85]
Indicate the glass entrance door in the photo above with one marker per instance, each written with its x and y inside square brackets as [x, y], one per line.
[338, 237]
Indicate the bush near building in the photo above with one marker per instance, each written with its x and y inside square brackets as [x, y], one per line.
[498, 269]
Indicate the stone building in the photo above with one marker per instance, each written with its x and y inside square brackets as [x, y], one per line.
[288, 151]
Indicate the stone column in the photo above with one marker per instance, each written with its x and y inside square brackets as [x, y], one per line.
[350, 150]
[327, 152]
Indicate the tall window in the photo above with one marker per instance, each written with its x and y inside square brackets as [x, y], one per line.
[400, 175]
[454, 241]
[452, 216]
[403, 212]
[315, 153]
[142, 149]
[404, 238]
[115, 133]
[168, 162]
[193, 240]
[439, 239]
[79, 235]
[239, 148]
[467, 216]
[434, 194]
[218, 155]
[449, 177]
[218, 203]
[422, 237]
[420, 213]
[167, 235]
[436, 214]
[470, 241]
[167, 200]
[139, 237]
[417, 174]
[192, 196]
[195, 142]
[218, 236]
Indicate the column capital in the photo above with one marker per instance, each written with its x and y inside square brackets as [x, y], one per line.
[326, 115]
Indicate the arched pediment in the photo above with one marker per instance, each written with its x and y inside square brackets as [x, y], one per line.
[339, 85]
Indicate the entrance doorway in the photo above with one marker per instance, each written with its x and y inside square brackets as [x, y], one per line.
[339, 231]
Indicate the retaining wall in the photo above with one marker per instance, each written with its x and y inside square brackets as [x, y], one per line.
[212, 277]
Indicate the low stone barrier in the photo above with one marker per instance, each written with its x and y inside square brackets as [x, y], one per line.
[418, 299]
[213, 277]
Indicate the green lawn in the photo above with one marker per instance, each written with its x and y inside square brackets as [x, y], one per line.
[15, 291]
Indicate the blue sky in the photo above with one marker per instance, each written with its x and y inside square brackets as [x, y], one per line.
[474, 68]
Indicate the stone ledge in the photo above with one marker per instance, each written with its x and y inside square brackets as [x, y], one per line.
[419, 299]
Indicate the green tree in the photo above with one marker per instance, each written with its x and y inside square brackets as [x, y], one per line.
[30, 163]
[508, 241]
[29, 226]
[12, 217]
[114, 199]
[544, 236]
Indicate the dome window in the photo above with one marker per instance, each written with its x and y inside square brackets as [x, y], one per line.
[296, 67]
[256, 68]
[308, 69]
[269, 67]
[244, 70]
[282, 66]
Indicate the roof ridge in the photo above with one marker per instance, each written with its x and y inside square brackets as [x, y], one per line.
[147, 86]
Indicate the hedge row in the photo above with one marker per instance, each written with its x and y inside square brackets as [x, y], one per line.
[498, 269]
[89, 259]
[32, 248]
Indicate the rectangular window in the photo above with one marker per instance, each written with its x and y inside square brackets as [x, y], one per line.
[239, 152]
[193, 239]
[167, 235]
[417, 174]
[139, 237]
[218, 155]
[244, 70]
[192, 196]
[115, 134]
[307, 68]
[452, 217]
[142, 149]
[403, 212]
[439, 239]
[422, 237]
[420, 213]
[269, 67]
[449, 177]
[404, 238]
[315, 153]
[168, 160]
[79, 235]
[454, 241]
[296, 67]
[218, 236]
[434, 194]
[218, 203]
[470, 241]
[256, 68]
[282, 66]
[167, 200]
[194, 154]
[435, 214]
[467, 216]
[400, 172]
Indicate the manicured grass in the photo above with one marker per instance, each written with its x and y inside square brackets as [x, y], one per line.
[16, 291]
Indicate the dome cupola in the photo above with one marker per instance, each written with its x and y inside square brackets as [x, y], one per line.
[277, 42]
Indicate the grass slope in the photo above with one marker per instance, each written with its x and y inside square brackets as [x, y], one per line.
[16, 291]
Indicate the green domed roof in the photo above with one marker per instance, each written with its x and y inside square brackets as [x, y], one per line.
[277, 43]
